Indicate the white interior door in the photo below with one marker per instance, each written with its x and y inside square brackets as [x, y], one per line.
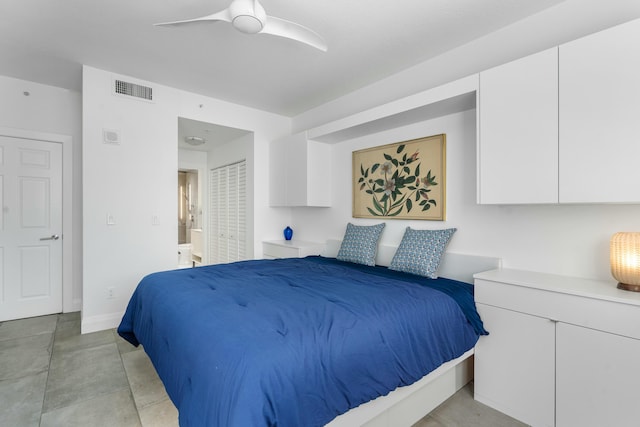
[30, 228]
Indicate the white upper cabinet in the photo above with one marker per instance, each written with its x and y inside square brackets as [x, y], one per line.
[300, 172]
[563, 125]
[518, 131]
[600, 117]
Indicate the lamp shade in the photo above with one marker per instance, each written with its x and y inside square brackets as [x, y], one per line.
[625, 260]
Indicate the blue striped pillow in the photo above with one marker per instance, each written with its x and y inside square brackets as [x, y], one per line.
[360, 244]
[420, 251]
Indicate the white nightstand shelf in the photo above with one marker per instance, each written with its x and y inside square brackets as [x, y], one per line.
[290, 249]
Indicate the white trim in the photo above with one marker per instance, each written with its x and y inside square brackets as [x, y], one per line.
[406, 405]
[100, 322]
[441, 100]
[68, 304]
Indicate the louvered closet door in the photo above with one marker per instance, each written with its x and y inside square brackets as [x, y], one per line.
[242, 211]
[228, 213]
[214, 222]
[232, 214]
[223, 216]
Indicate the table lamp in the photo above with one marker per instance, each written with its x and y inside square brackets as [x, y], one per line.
[625, 260]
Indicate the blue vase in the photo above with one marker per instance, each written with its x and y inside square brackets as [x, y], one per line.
[288, 233]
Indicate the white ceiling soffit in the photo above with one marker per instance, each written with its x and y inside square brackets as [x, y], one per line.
[48, 41]
[214, 135]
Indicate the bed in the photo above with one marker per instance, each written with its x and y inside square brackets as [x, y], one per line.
[308, 341]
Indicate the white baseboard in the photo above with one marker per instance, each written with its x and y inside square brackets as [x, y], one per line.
[100, 322]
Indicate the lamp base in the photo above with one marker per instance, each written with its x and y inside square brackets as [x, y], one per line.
[627, 287]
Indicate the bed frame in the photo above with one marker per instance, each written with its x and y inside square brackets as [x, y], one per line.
[406, 405]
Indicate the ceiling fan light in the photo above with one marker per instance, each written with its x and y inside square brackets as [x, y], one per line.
[249, 17]
[194, 140]
[247, 24]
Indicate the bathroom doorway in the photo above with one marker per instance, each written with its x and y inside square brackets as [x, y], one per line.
[189, 216]
[189, 219]
[202, 147]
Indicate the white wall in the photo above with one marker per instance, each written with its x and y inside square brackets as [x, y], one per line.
[570, 240]
[563, 239]
[52, 110]
[135, 180]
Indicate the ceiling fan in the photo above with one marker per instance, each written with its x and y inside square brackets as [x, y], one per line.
[250, 17]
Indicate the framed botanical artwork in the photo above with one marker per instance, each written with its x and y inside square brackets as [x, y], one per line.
[404, 180]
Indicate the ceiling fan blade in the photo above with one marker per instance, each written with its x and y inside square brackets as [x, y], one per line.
[291, 30]
[223, 15]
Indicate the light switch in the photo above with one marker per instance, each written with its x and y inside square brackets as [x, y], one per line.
[111, 220]
[155, 220]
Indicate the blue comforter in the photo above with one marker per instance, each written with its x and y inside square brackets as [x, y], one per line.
[293, 342]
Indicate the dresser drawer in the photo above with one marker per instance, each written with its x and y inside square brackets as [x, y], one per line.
[290, 249]
[278, 251]
[577, 305]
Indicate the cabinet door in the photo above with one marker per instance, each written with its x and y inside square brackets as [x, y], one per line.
[278, 159]
[600, 126]
[319, 178]
[515, 365]
[518, 142]
[597, 378]
[300, 172]
[296, 170]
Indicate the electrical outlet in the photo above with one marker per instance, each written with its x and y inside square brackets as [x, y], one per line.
[111, 293]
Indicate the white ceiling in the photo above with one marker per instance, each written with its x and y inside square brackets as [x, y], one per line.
[48, 41]
[213, 135]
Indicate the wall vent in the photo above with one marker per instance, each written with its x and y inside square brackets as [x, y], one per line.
[132, 89]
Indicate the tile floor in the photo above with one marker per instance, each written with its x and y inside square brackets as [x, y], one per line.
[50, 375]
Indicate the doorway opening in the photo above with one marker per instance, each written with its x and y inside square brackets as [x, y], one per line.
[189, 218]
[203, 147]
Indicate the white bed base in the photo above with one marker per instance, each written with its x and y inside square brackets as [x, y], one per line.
[406, 405]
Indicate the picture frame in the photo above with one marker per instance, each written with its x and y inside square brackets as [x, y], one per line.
[402, 180]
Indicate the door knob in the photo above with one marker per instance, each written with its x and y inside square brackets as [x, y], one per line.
[52, 237]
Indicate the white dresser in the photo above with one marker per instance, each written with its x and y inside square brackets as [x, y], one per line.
[290, 249]
[561, 351]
